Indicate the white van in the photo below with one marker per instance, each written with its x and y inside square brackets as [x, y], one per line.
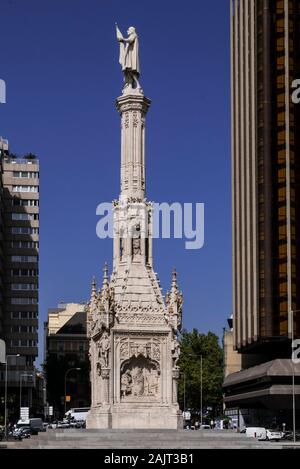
[257, 432]
[80, 413]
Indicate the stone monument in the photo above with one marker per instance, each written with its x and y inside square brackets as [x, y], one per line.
[133, 331]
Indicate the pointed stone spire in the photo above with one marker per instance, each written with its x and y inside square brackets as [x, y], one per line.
[92, 306]
[94, 289]
[105, 283]
[174, 287]
[105, 275]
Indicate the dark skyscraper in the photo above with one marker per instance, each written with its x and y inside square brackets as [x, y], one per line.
[266, 172]
[265, 60]
[19, 269]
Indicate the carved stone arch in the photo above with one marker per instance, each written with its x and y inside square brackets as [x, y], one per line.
[127, 362]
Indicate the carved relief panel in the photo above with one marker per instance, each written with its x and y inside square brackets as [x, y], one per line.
[140, 379]
[140, 369]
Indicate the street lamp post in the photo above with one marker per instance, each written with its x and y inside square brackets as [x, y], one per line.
[201, 385]
[66, 374]
[5, 394]
[184, 395]
[201, 390]
[21, 376]
[293, 374]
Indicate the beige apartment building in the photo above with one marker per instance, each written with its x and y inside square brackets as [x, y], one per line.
[66, 350]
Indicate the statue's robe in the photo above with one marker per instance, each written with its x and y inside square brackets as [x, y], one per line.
[129, 54]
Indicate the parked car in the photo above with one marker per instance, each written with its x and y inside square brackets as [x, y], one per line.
[289, 436]
[18, 433]
[25, 432]
[205, 427]
[274, 435]
[77, 423]
[63, 424]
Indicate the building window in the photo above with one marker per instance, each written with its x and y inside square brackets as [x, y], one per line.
[24, 216]
[25, 189]
[23, 315]
[29, 361]
[24, 230]
[24, 301]
[21, 216]
[81, 347]
[25, 174]
[15, 315]
[24, 258]
[24, 272]
[20, 230]
[25, 202]
[25, 244]
[25, 329]
[14, 343]
[24, 286]
[23, 343]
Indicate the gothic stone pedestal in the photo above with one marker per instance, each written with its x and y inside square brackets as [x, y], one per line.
[135, 417]
[143, 381]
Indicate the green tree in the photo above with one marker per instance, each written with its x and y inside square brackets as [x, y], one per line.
[193, 345]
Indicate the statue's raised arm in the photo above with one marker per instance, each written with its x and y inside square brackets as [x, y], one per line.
[129, 58]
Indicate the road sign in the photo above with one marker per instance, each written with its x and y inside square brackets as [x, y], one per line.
[186, 415]
[24, 413]
[48, 410]
[2, 351]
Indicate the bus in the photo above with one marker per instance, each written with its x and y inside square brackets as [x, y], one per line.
[79, 413]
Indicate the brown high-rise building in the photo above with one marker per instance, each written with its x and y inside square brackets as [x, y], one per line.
[19, 268]
[265, 60]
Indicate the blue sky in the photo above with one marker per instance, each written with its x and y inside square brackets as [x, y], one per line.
[59, 59]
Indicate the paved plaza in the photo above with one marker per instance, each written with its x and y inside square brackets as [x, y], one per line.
[143, 439]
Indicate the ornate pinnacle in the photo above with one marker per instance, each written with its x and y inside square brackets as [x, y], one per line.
[105, 284]
[105, 270]
[105, 275]
[93, 300]
[174, 281]
[94, 288]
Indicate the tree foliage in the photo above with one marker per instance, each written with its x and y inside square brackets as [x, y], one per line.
[193, 345]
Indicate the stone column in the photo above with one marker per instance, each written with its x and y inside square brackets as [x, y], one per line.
[93, 372]
[105, 382]
[175, 385]
[133, 109]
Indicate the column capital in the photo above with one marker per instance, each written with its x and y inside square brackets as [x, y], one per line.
[133, 102]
